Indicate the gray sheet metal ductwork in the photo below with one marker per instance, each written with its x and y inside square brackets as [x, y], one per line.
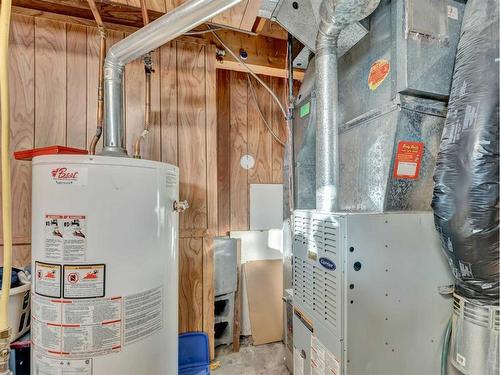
[168, 27]
[408, 106]
[334, 17]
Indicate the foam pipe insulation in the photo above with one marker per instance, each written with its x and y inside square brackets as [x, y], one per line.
[465, 199]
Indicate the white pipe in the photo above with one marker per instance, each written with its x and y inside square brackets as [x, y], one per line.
[170, 26]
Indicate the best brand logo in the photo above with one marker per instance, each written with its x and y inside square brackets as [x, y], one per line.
[64, 176]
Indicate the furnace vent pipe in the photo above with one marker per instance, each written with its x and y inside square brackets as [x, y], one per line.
[166, 28]
[335, 16]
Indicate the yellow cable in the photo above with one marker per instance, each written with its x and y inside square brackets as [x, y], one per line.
[5, 134]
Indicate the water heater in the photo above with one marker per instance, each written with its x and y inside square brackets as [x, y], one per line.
[104, 258]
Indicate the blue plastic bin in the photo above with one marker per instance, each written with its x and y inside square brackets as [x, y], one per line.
[194, 357]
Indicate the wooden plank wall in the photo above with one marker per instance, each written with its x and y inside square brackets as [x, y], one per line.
[54, 67]
[241, 131]
[240, 16]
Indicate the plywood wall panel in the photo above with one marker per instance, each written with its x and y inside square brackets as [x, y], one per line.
[247, 134]
[76, 113]
[259, 137]
[239, 147]
[92, 78]
[190, 284]
[156, 5]
[50, 82]
[191, 114]
[250, 14]
[134, 102]
[21, 255]
[233, 16]
[168, 103]
[22, 91]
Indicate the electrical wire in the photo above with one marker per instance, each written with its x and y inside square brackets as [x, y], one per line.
[446, 348]
[201, 32]
[254, 98]
[252, 73]
[5, 13]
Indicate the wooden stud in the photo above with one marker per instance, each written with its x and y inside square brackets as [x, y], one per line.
[208, 292]
[223, 151]
[211, 138]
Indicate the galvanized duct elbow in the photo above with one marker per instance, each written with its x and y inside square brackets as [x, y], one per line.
[335, 16]
[164, 29]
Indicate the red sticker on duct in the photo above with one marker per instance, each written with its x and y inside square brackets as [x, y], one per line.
[378, 73]
[408, 160]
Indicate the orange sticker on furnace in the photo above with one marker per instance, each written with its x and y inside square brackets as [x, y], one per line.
[378, 73]
[408, 160]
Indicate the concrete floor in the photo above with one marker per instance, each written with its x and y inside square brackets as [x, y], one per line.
[252, 360]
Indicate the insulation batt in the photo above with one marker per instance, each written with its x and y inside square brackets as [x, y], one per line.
[465, 200]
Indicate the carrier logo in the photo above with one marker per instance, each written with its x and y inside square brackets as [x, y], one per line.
[65, 176]
[327, 263]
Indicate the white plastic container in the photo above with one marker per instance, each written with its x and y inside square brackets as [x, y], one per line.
[104, 253]
[19, 311]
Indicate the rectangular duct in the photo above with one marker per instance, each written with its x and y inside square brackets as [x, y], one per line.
[301, 19]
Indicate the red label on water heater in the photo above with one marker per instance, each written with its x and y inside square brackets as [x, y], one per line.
[408, 160]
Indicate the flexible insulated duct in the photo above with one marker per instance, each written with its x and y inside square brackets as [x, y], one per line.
[335, 16]
[170, 26]
[465, 200]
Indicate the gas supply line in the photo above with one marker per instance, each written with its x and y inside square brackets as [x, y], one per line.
[148, 71]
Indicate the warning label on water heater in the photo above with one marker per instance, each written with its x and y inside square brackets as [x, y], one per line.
[143, 313]
[48, 279]
[45, 365]
[77, 328]
[84, 281]
[65, 238]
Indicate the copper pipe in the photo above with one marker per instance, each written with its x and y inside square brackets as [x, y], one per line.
[100, 86]
[95, 13]
[148, 70]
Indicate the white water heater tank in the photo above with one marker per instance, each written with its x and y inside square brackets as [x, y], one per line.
[104, 258]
